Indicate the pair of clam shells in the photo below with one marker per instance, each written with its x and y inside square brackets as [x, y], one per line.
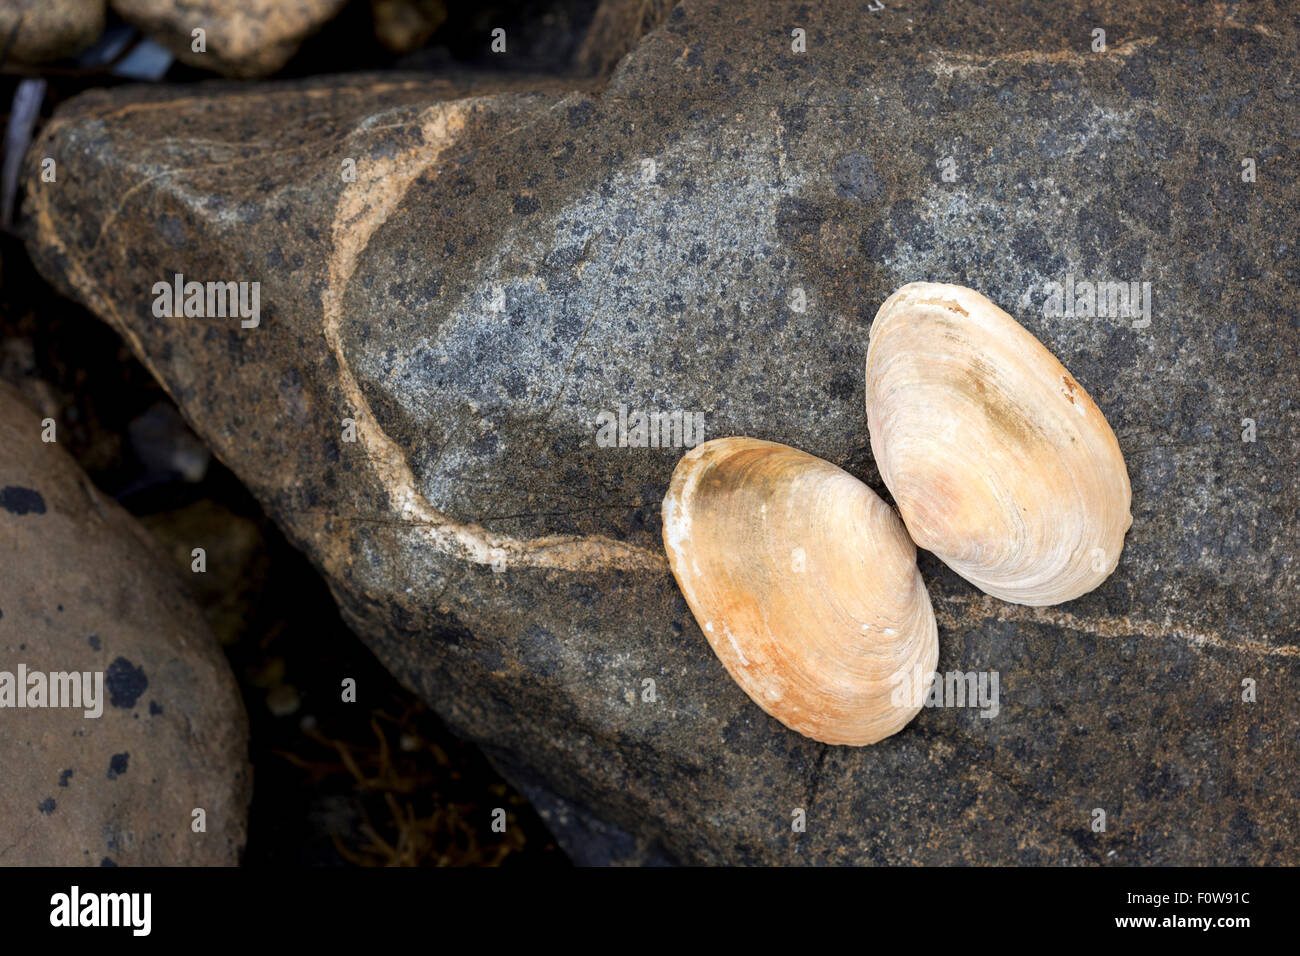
[805, 582]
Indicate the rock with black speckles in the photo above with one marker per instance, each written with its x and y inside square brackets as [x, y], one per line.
[21, 501]
[85, 553]
[124, 683]
[507, 265]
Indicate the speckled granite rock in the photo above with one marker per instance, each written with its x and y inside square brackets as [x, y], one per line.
[507, 266]
[243, 38]
[85, 590]
[39, 30]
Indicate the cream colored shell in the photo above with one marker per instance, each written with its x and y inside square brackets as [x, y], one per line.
[805, 583]
[998, 460]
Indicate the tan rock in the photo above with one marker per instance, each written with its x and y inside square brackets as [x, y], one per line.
[242, 38]
[49, 29]
[87, 591]
[406, 25]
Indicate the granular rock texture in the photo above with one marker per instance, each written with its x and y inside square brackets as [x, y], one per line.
[457, 280]
[615, 28]
[86, 591]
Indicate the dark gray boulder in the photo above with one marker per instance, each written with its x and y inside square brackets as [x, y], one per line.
[712, 232]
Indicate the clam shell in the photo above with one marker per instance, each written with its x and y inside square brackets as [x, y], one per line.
[805, 584]
[999, 461]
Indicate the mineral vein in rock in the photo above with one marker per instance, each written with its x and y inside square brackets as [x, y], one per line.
[363, 208]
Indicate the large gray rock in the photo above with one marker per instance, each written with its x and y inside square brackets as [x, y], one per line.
[507, 265]
[86, 591]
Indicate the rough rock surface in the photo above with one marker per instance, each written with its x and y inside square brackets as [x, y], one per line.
[507, 265]
[243, 38]
[85, 589]
[616, 27]
[35, 31]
